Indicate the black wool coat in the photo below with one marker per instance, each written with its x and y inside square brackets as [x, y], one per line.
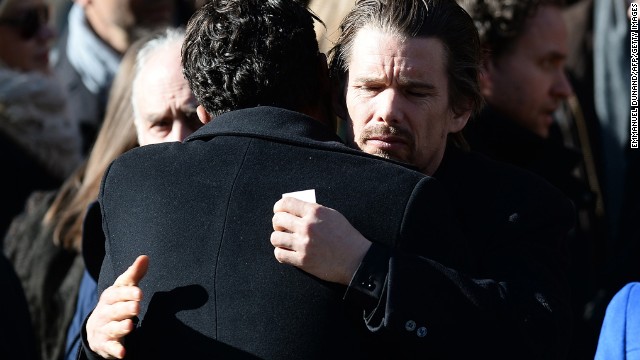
[202, 211]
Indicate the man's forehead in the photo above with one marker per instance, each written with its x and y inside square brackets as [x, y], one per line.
[375, 49]
[544, 32]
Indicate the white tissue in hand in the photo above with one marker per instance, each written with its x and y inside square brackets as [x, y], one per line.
[304, 195]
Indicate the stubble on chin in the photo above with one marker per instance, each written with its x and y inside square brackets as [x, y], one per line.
[383, 130]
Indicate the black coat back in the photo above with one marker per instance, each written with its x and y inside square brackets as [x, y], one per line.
[202, 211]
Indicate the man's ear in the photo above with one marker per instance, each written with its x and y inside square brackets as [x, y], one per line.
[203, 115]
[487, 71]
[459, 121]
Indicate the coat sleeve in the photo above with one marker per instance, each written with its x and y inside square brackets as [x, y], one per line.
[107, 275]
[504, 299]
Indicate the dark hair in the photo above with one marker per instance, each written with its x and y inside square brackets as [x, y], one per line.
[246, 53]
[501, 22]
[442, 19]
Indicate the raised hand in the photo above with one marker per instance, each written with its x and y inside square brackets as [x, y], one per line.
[112, 319]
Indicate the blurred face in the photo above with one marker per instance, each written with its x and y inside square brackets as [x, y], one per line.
[528, 83]
[166, 108]
[129, 14]
[397, 98]
[149, 13]
[26, 35]
[120, 22]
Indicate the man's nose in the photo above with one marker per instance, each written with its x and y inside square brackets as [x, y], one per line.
[561, 86]
[388, 107]
[179, 131]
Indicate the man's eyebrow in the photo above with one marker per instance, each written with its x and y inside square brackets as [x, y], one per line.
[151, 120]
[415, 83]
[403, 81]
[556, 55]
[370, 79]
[153, 117]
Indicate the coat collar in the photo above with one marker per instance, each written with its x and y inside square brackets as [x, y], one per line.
[269, 123]
[281, 125]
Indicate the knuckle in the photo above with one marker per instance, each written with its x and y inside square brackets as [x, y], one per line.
[134, 308]
[314, 210]
[304, 239]
[277, 252]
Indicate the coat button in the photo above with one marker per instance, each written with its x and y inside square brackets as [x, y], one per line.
[410, 325]
[369, 284]
[422, 331]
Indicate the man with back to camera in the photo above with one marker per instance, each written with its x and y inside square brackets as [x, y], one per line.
[508, 301]
[201, 209]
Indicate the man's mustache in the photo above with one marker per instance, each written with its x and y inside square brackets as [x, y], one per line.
[386, 130]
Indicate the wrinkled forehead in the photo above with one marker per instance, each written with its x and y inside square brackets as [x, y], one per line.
[381, 56]
[161, 78]
[363, 34]
[377, 42]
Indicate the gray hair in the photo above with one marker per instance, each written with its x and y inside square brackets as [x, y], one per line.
[158, 42]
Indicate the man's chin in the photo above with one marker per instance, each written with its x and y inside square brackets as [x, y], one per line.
[387, 155]
[542, 131]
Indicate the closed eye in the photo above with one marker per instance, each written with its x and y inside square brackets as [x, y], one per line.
[369, 87]
[161, 124]
[418, 93]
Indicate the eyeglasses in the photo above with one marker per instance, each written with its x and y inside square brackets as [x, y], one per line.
[29, 22]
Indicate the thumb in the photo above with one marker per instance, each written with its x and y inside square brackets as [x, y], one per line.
[134, 273]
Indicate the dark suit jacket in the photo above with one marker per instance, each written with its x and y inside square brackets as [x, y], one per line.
[202, 211]
[502, 139]
[509, 301]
